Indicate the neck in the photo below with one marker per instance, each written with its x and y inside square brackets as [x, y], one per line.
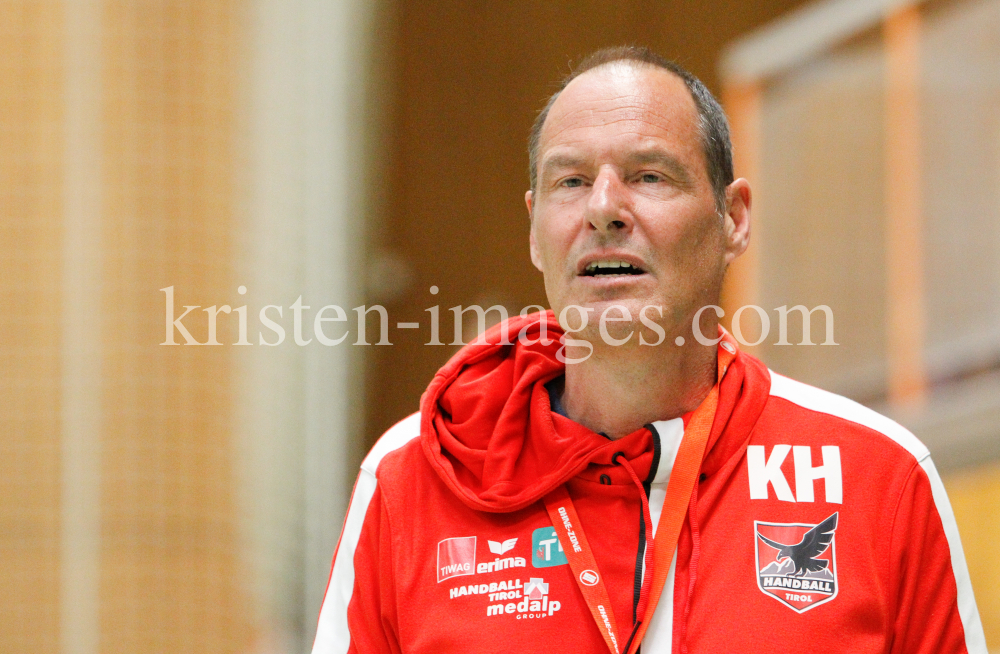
[617, 390]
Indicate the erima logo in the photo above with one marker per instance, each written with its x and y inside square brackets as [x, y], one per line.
[502, 548]
[456, 556]
[796, 563]
[496, 565]
[764, 471]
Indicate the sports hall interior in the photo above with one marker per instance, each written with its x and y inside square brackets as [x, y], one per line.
[158, 495]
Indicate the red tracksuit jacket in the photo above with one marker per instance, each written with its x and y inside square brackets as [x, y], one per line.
[817, 525]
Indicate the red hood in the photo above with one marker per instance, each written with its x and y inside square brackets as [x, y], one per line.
[488, 430]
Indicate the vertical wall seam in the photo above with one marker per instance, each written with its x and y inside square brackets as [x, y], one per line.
[80, 404]
[904, 220]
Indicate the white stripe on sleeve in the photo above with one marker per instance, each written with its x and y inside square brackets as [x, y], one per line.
[975, 639]
[332, 636]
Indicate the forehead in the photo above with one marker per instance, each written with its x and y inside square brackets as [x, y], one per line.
[619, 104]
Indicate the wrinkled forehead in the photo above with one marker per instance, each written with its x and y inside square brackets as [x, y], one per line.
[627, 100]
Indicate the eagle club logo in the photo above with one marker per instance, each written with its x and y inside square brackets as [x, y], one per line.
[796, 563]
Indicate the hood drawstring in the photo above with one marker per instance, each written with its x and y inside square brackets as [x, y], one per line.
[647, 577]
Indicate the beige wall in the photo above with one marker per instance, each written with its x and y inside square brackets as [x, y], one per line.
[169, 563]
[163, 95]
[175, 498]
[31, 69]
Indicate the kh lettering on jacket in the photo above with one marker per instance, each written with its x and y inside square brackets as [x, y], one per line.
[766, 471]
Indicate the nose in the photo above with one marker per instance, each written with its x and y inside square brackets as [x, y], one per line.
[608, 207]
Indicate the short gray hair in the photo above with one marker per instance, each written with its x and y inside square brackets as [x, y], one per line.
[712, 123]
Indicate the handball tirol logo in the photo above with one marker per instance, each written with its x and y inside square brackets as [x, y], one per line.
[797, 563]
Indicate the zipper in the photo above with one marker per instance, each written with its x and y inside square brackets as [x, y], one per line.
[641, 551]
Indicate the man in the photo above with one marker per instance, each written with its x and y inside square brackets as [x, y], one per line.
[627, 480]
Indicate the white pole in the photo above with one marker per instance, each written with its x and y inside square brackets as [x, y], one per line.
[81, 332]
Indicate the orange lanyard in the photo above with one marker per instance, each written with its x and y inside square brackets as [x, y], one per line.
[581, 560]
[682, 479]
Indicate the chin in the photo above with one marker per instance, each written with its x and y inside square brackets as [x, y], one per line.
[622, 316]
[613, 308]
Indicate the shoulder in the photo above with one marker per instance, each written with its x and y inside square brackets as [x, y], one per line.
[822, 408]
[393, 443]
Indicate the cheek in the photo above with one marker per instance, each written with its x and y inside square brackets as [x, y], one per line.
[693, 245]
[704, 230]
[552, 244]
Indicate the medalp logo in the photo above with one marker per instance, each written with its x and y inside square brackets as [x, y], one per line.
[456, 556]
[535, 602]
[796, 563]
[536, 588]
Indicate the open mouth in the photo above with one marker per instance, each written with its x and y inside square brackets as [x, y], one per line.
[611, 268]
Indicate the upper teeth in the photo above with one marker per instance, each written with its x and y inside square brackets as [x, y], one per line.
[607, 264]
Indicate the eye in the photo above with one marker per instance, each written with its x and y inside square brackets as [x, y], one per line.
[572, 182]
[651, 178]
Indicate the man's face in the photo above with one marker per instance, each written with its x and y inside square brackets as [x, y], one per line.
[622, 180]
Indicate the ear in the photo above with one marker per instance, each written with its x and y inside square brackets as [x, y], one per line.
[536, 258]
[737, 219]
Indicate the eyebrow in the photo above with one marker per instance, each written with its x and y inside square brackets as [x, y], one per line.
[560, 160]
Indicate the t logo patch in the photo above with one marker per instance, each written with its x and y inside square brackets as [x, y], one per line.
[546, 550]
[766, 471]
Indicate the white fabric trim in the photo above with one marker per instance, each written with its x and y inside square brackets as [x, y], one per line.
[814, 399]
[659, 634]
[671, 432]
[975, 639]
[332, 636]
[659, 637]
[821, 401]
[398, 435]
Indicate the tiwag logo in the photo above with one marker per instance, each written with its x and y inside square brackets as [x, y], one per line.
[456, 556]
[796, 563]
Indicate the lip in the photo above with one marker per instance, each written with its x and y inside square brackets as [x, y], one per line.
[610, 255]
